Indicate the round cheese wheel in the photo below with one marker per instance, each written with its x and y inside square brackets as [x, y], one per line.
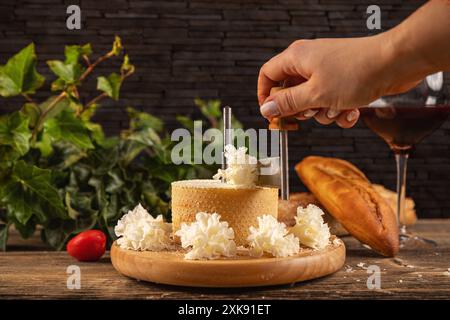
[239, 206]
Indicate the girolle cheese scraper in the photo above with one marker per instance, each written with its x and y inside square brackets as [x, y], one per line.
[283, 125]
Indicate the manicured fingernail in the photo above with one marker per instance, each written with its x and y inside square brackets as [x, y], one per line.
[351, 116]
[310, 113]
[270, 110]
[332, 113]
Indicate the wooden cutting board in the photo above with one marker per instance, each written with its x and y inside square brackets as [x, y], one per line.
[170, 267]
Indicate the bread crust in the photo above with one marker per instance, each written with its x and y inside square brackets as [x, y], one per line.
[348, 195]
[409, 216]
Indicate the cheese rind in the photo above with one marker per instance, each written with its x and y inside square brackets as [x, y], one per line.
[239, 206]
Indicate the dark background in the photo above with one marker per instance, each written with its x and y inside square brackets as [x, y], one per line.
[214, 49]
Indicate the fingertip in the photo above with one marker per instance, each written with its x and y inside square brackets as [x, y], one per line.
[348, 118]
[346, 124]
[310, 113]
[301, 117]
[352, 115]
[322, 118]
[270, 109]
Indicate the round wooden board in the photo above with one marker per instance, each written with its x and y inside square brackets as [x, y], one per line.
[170, 267]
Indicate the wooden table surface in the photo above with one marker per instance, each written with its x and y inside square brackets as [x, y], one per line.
[28, 271]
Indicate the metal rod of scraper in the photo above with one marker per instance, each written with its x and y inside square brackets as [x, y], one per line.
[284, 165]
[284, 161]
[227, 134]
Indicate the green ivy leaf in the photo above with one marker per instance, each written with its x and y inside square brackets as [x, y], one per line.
[30, 190]
[55, 109]
[158, 205]
[65, 155]
[110, 211]
[56, 235]
[209, 108]
[60, 106]
[147, 137]
[58, 232]
[89, 112]
[117, 46]
[126, 67]
[102, 160]
[67, 127]
[14, 132]
[25, 230]
[110, 85]
[19, 75]
[70, 210]
[68, 72]
[44, 145]
[58, 85]
[186, 122]
[7, 156]
[114, 182]
[96, 132]
[142, 120]
[73, 53]
[18, 202]
[32, 112]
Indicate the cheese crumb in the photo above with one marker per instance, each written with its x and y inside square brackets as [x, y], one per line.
[242, 169]
[208, 236]
[272, 237]
[310, 227]
[362, 265]
[138, 230]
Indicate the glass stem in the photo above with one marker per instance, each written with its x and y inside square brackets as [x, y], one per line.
[402, 160]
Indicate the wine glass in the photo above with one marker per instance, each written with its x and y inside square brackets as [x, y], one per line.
[402, 121]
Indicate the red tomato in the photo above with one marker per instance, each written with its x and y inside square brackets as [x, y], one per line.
[87, 246]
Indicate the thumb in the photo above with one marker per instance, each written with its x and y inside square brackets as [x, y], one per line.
[287, 102]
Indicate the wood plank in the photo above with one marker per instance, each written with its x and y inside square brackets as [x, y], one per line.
[412, 275]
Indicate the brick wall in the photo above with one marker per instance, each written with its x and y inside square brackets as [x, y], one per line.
[213, 49]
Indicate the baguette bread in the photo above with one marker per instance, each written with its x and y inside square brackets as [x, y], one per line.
[408, 216]
[346, 193]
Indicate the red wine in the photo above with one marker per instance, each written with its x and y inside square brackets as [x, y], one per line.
[404, 127]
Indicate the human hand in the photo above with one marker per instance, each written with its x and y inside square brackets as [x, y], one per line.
[328, 79]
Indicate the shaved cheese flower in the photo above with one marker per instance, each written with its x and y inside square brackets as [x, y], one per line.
[310, 227]
[208, 236]
[242, 169]
[138, 230]
[272, 237]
